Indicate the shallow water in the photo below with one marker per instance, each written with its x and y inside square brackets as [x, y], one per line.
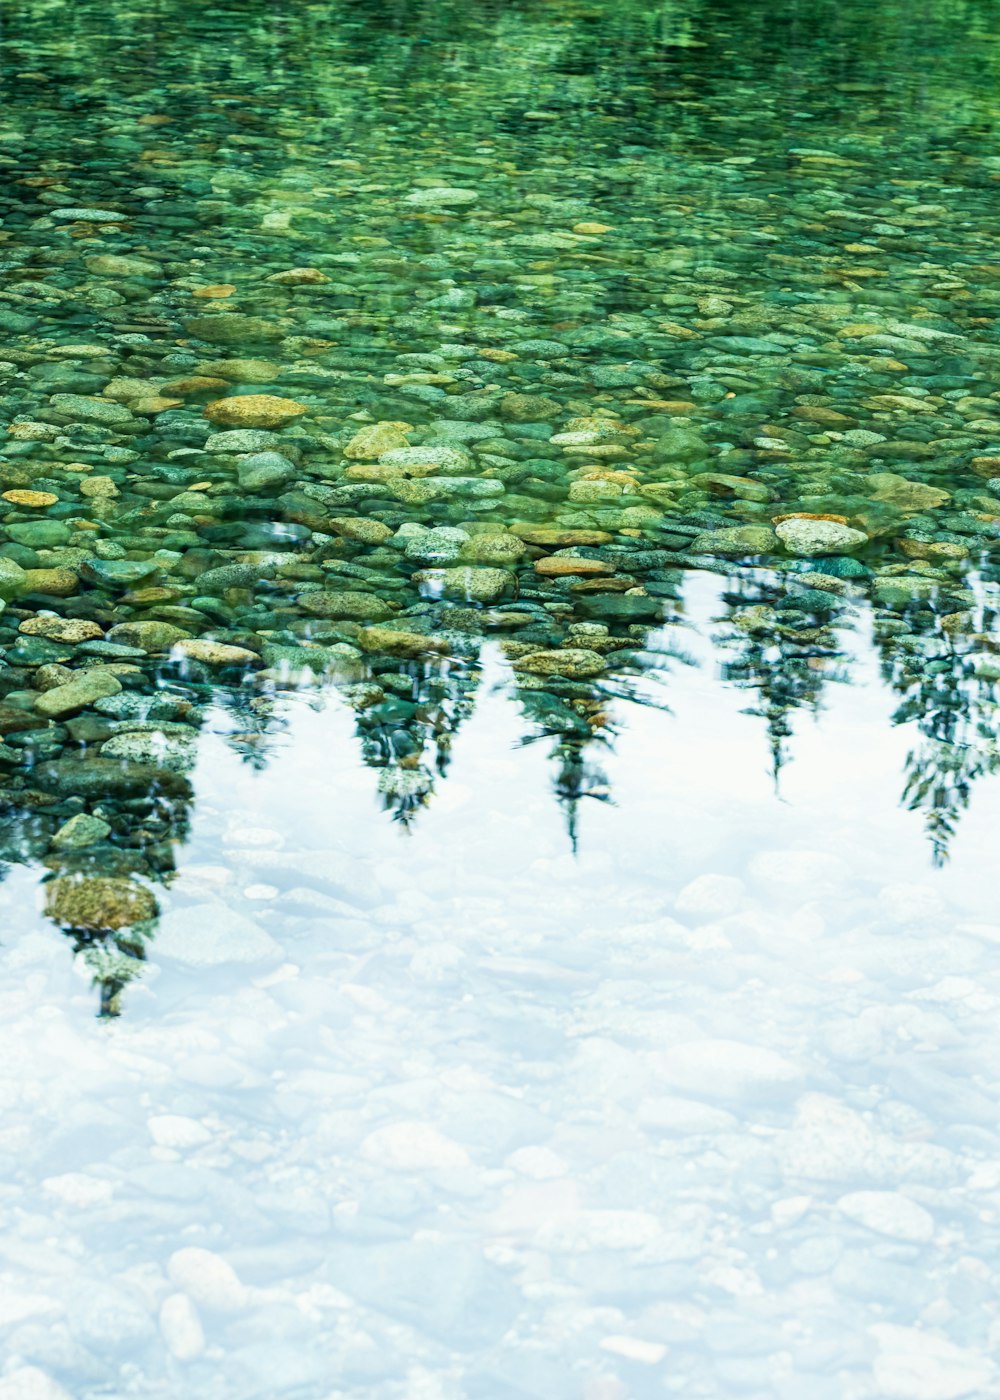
[498, 701]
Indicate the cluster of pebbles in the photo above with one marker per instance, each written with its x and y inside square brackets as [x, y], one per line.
[274, 417]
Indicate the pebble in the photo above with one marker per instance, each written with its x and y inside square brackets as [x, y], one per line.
[728, 1070]
[209, 935]
[98, 902]
[809, 538]
[254, 411]
[207, 1279]
[889, 1213]
[214, 653]
[30, 1383]
[413, 1147]
[913, 1364]
[181, 1327]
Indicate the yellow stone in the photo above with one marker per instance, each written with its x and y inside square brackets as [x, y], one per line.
[195, 384]
[253, 411]
[99, 486]
[154, 403]
[30, 498]
[375, 438]
[563, 566]
[60, 583]
[593, 228]
[217, 292]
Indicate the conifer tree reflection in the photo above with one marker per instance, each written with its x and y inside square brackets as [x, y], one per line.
[944, 667]
[781, 640]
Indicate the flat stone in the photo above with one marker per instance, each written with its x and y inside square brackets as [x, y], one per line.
[210, 653]
[87, 687]
[37, 500]
[361, 529]
[98, 902]
[243, 440]
[114, 265]
[84, 409]
[897, 491]
[149, 636]
[475, 585]
[298, 277]
[81, 831]
[346, 606]
[82, 214]
[174, 751]
[210, 935]
[728, 1069]
[736, 541]
[241, 371]
[914, 1364]
[38, 534]
[120, 573]
[564, 566]
[57, 583]
[809, 538]
[575, 663]
[254, 411]
[369, 444]
[889, 1213]
[230, 328]
[446, 195]
[393, 641]
[61, 629]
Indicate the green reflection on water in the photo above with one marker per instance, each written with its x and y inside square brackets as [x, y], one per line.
[624, 284]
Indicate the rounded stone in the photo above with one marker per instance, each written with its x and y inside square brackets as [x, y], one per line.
[215, 653]
[61, 629]
[98, 903]
[38, 500]
[346, 606]
[575, 663]
[472, 584]
[148, 636]
[809, 538]
[253, 411]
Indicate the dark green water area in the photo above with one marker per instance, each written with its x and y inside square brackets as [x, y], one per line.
[500, 546]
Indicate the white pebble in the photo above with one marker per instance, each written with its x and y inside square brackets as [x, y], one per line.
[29, 1383]
[261, 892]
[726, 1069]
[208, 1279]
[181, 1328]
[587, 1230]
[413, 1147]
[635, 1349]
[210, 935]
[916, 1365]
[538, 1163]
[889, 1213]
[78, 1189]
[710, 896]
[173, 1130]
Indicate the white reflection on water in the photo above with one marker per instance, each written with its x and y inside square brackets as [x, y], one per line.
[707, 1110]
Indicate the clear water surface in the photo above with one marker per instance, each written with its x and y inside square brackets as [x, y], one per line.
[498, 727]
